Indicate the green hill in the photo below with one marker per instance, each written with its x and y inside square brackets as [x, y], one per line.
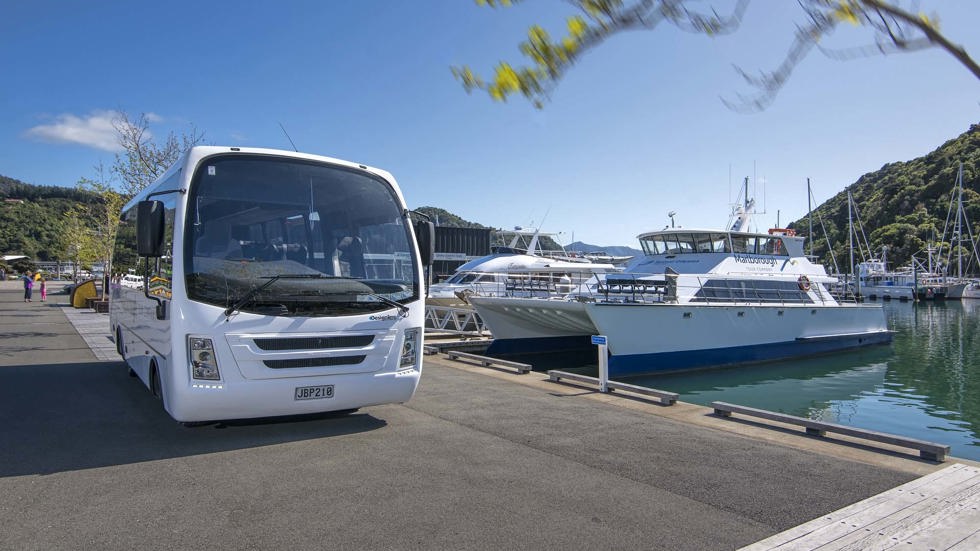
[903, 205]
[32, 217]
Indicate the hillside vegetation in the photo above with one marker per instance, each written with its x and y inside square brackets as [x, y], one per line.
[32, 218]
[903, 206]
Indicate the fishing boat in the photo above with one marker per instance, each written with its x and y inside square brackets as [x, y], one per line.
[877, 282]
[971, 290]
[521, 268]
[695, 299]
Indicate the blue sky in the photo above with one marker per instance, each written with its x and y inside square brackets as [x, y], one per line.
[634, 131]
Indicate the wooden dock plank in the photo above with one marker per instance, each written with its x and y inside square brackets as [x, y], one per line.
[970, 543]
[918, 518]
[942, 506]
[951, 524]
[828, 526]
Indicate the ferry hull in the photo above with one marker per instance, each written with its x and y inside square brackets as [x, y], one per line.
[667, 362]
[659, 338]
[885, 292]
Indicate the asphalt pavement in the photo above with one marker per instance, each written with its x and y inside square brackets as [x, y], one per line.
[478, 459]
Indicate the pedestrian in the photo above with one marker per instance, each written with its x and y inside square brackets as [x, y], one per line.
[44, 290]
[3, 274]
[28, 286]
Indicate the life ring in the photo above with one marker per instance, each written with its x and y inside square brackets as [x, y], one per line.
[804, 283]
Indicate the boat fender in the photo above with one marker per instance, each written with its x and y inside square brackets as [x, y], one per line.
[804, 283]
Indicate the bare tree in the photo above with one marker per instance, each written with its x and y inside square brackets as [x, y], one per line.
[894, 29]
[143, 160]
[101, 238]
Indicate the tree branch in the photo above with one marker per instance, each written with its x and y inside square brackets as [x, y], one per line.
[930, 31]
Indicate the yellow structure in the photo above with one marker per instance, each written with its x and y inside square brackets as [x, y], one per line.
[82, 291]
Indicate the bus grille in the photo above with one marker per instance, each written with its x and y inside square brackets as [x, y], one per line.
[313, 362]
[314, 343]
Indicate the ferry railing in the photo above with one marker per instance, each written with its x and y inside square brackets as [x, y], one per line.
[658, 288]
[526, 284]
[705, 290]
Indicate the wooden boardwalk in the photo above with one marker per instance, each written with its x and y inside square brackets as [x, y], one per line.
[936, 512]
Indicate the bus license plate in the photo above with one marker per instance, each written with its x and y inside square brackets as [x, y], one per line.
[314, 392]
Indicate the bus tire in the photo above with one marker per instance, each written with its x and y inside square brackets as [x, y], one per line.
[119, 345]
[155, 387]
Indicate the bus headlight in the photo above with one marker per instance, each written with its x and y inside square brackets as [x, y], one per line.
[204, 364]
[410, 349]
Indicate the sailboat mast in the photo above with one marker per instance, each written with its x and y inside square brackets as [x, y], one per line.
[809, 215]
[959, 224]
[850, 241]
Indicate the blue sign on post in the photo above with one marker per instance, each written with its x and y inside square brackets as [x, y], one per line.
[600, 340]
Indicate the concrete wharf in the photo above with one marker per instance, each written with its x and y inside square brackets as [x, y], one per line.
[480, 458]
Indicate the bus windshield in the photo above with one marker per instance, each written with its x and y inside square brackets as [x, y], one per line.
[333, 240]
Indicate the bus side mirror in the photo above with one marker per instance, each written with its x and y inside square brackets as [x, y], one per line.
[425, 234]
[149, 228]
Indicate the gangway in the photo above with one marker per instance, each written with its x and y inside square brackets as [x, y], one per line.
[464, 321]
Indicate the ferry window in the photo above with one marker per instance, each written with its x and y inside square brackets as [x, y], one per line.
[653, 245]
[764, 246]
[772, 246]
[719, 243]
[703, 242]
[670, 244]
[650, 246]
[685, 243]
[741, 244]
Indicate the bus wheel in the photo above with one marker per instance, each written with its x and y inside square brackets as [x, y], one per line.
[119, 345]
[155, 387]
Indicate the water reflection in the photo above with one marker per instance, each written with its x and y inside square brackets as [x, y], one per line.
[925, 385]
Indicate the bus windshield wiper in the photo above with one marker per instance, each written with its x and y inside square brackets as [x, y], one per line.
[402, 309]
[247, 297]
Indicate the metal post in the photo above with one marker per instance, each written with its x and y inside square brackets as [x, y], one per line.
[600, 342]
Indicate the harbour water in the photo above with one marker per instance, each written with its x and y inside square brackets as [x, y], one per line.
[926, 384]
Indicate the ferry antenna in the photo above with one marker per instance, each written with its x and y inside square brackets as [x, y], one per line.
[287, 136]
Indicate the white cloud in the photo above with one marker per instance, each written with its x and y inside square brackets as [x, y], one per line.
[94, 130]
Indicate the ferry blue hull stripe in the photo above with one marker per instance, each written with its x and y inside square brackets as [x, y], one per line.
[580, 347]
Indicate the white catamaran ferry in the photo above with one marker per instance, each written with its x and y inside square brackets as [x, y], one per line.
[273, 283]
[518, 269]
[696, 299]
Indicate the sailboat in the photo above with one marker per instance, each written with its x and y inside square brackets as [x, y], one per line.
[873, 280]
[961, 287]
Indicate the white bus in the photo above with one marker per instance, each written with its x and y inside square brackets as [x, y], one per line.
[274, 283]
